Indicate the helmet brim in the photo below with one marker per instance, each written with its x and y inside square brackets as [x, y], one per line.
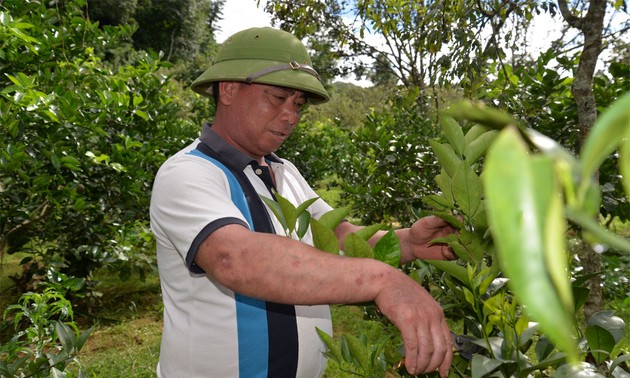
[233, 70]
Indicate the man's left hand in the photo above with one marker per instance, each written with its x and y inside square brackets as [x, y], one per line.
[422, 233]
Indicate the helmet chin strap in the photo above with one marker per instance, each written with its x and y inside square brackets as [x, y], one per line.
[289, 66]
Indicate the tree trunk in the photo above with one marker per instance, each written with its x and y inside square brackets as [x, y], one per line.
[591, 25]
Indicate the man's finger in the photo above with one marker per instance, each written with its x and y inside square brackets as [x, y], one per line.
[448, 358]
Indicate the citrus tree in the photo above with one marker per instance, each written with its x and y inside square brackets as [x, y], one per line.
[81, 140]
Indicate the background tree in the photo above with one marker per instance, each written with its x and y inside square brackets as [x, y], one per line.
[111, 12]
[81, 140]
[180, 29]
[421, 44]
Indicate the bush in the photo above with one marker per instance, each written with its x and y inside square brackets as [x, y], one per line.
[391, 166]
[82, 139]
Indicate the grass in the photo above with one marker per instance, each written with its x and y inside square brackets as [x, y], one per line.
[127, 321]
[128, 349]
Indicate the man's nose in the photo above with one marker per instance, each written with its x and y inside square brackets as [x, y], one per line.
[291, 112]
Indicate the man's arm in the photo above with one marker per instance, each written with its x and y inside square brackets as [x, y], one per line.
[283, 270]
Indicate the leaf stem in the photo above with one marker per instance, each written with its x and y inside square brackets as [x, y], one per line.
[605, 236]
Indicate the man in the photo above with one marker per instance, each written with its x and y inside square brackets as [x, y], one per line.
[241, 299]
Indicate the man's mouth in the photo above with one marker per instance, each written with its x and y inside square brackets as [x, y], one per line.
[278, 133]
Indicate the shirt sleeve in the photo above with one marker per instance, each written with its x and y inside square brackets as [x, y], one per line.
[190, 200]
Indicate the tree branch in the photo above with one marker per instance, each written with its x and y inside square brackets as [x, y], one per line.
[568, 16]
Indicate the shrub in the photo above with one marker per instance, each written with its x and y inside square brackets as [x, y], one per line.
[82, 139]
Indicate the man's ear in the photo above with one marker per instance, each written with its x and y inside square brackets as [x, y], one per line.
[228, 91]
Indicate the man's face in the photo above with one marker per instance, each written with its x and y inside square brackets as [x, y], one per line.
[266, 115]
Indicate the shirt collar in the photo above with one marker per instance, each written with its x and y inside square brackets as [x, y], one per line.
[232, 155]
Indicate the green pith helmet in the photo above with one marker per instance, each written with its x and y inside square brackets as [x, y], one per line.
[266, 56]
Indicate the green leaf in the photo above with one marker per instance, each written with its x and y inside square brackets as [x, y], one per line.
[289, 212]
[475, 246]
[600, 341]
[367, 232]
[482, 366]
[448, 216]
[554, 227]
[477, 148]
[355, 246]
[332, 218]
[333, 348]
[387, 249]
[453, 133]
[304, 205]
[446, 156]
[437, 202]
[479, 220]
[358, 350]
[470, 297]
[118, 167]
[324, 238]
[608, 321]
[605, 135]
[303, 221]
[475, 132]
[444, 182]
[345, 350]
[71, 163]
[467, 189]
[453, 269]
[523, 208]
[66, 336]
[277, 210]
[137, 100]
[480, 113]
[543, 348]
[83, 338]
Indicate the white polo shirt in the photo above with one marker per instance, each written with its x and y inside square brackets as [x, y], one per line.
[210, 331]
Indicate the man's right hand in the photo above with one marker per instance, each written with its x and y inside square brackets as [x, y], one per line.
[421, 322]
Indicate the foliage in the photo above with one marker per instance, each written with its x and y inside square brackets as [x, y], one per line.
[81, 141]
[48, 343]
[510, 294]
[321, 145]
[349, 105]
[420, 43]
[524, 196]
[180, 29]
[391, 167]
[539, 95]
[319, 150]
